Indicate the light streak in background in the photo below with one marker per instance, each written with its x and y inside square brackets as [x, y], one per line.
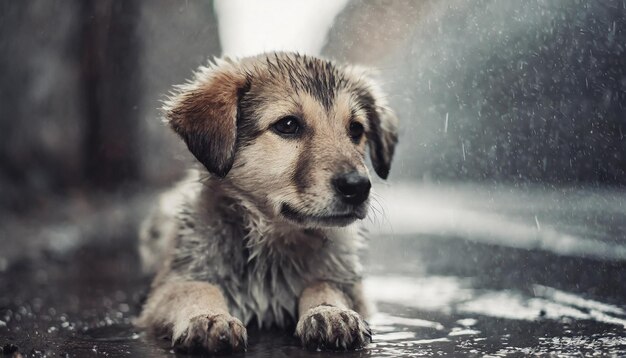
[251, 27]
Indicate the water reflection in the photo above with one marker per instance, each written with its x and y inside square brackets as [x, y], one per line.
[451, 287]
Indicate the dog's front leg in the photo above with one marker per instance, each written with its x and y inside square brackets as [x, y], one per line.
[327, 320]
[195, 314]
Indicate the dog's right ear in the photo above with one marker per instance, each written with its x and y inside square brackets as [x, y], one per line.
[204, 114]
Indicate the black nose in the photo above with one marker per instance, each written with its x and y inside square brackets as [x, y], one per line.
[352, 187]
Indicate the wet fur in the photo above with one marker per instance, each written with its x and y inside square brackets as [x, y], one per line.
[220, 242]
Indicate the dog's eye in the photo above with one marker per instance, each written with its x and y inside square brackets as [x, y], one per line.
[287, 126]
[356, 131]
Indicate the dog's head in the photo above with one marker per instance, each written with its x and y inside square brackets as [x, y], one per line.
[288, 133]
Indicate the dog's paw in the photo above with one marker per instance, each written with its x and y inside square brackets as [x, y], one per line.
[332, 328]
[219, 333]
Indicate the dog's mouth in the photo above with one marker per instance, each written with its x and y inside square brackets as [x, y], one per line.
[332, 219]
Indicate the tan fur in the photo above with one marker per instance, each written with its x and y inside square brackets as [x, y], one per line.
[177, 304]
[265, 235]
[322, 293]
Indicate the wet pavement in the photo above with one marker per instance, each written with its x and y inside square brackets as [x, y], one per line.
[474, 270]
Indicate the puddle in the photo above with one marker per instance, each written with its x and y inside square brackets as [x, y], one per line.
[437, 293]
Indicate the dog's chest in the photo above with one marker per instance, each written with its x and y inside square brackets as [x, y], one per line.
[267, 293]
[271, 279]
[274, 276]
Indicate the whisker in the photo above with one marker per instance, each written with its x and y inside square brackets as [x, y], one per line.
[378, 199]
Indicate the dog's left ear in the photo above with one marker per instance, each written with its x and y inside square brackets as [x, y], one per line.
[382, 135]
[203, 113]
[382, 138]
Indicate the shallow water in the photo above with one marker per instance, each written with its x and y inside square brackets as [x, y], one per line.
[437, 291]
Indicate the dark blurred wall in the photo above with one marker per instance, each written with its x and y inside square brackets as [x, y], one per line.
[178, 36]
[81, 83]
[111, 84]
[501, 90]
[41, 126]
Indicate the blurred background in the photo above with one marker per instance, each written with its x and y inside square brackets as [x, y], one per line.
[487, 91]
[513, 123]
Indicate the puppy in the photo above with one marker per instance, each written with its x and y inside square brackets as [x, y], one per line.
[265, 235]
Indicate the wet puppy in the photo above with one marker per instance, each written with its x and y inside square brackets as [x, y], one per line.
[266, 234]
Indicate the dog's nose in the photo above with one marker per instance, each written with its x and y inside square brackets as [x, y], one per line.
[352, 187]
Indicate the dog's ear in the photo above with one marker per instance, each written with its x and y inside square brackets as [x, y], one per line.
[382, 135]
[204, 114]
[382, 138]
